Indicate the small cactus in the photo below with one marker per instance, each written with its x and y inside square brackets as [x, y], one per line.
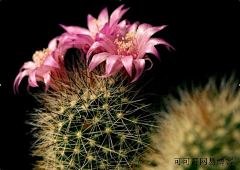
[204, 123]
[92, 117]
[90, 123]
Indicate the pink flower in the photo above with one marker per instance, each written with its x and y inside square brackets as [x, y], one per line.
[46, 63]
[126, 50]
[40, 69]
[96, 26]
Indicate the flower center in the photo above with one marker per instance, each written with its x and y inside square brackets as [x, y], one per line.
[39, 56]
[126, 46]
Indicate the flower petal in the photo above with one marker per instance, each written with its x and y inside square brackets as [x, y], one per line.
[157, 41]
[98, 44]
[66, 37]
[150, 62]
[148, 33]
[139, 67]
[107, 39]
[149, 49]
[103, 16]
[53, 44]
[49, 61]
[127, 62]
[116, 67]
[121, 28]
[47, 78]
[18, 80]
[105, 30]
[97, 59]
[133, 27]
[141, 30]
[28, 65]
[123, 23]
[59, 53]
[32, 79]
[111, 61]
[117, 15]
[76, 30]
[92, 25]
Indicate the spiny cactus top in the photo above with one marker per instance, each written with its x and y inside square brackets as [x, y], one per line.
[91, 124]
[121, 46]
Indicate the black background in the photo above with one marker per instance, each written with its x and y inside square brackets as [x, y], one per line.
[205, 35]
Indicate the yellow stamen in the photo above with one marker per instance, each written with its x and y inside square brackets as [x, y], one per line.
[126, 46]
[40, 56]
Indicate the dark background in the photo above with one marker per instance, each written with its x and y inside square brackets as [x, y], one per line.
[205, 35]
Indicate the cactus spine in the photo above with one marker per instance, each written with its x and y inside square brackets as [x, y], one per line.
[204, 123]
[90, 123]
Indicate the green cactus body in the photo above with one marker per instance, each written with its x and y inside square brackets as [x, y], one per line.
[91, 123]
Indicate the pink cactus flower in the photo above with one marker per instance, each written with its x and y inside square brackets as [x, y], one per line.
[96, 26]
[79, 41]
[126, 50]
[40, 69]
[46, 63]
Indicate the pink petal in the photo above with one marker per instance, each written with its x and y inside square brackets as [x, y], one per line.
[127, 62]
[32, 79]
[150, 62]
[149, 49]
[117, 15]
[91, 25]
[47, 77]
[82, 42]
[121, 28]
[53, 44]
[98, 44]
[28, 65]
[111, 60]
[66, 37]
[77, 41]
[133, 27]
[103, 16]
[107, 39]
[49, 61]
[76, 30]
[73, 44]
[86, 39]
[148, 33]
[58, 54]
[157, 41]
[123, 23]
[139, 67]
[115, 68]
[105, 29]
[97, 59]
[18, 80]
[141, 30]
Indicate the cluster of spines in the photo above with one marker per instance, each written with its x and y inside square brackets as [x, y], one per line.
[92, 123]
[204, 123]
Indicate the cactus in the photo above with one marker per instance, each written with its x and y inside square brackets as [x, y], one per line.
[91, 114]
[90, 123]
[204, 123]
